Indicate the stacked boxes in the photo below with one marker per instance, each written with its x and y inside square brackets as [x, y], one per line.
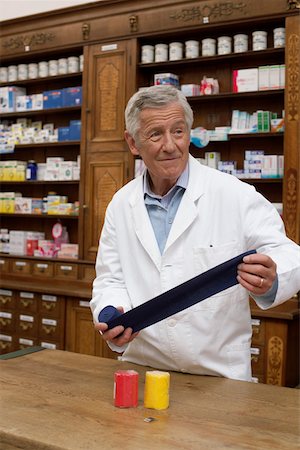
[8, 98]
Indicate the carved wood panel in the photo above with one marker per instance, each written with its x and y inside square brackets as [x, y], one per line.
[105, 175]
[107, 93]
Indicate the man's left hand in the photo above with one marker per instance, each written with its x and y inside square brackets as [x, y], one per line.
[257, 273]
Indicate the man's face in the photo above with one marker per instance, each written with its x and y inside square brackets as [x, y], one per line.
[163, 144]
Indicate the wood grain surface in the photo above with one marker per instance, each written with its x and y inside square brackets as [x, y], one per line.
[53, 399]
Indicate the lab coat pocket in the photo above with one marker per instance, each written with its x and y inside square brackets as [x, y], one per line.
[239, 360]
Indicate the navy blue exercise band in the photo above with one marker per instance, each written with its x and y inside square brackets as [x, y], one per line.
[177, 299]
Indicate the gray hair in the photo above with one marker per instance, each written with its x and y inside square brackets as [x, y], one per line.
[154, 97]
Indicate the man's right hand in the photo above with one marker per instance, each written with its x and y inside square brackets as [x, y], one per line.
[118, 335]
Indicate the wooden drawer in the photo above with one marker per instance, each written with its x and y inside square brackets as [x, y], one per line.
[27, 325]
[26, 343]
[7, 299]
[88, 273]
[20, 267]
[4, 265]
[7, 322]
[27, 302]
[51, 345]
[258, 331]
[66, 271]
[257, 360]
[52, 306]
[51, 329]
[7, 343]
[43, 269]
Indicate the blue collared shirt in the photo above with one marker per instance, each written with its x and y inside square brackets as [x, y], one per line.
[162, 209]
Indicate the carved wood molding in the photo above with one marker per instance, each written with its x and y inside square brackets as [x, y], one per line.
[208, 10]
[293, 4]
[290, 207]
[293, 64]
[28, 41]
[275, 360]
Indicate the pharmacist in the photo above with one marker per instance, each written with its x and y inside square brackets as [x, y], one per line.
[175, 221]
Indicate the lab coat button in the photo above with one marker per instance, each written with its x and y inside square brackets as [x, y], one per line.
[171, 322]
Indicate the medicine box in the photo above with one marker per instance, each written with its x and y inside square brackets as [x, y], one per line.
[53, 99]
[9, 96]
[72, 96]
[63, 134]
[74, 130]
[245, 80]
[166, 78]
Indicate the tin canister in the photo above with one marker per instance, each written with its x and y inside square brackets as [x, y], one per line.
[259, 40]
[53, 67]
[191, 49]
[147, 54]
[62, 66]
[175, 51]
[240, 43]
[224, 45]
[12, 73]
[43, 69]
[73, 64]
[33, 71]
[208, 47]
[3, 74]
[22, 71]
[161, 52]
[279, 37]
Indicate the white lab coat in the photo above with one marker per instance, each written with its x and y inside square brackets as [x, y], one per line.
[218, 218]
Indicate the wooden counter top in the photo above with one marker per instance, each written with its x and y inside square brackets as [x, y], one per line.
[59, 400]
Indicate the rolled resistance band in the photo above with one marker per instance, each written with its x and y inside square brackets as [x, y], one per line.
[177, 299]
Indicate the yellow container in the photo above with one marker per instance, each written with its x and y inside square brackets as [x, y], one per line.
[156, 394]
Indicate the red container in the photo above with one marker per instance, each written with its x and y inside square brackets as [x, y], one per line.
[126, 387]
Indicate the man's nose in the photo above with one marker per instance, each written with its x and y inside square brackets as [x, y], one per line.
[168, 143]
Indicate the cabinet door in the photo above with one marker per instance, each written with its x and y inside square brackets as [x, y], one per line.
[108, 85]
[109, 82]
[81, 336]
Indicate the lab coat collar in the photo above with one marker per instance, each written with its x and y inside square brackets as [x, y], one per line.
[186, 214]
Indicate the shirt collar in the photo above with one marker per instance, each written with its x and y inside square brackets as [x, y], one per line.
[181, 182]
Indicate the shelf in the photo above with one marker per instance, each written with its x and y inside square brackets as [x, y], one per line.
[235, 95]
[41, 216]
[255, 135]
[39, 112]
[39, 182]
[48, 144]
[217, 58]
[41, 80]
[262, 180]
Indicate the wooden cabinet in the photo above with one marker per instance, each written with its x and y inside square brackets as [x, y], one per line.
[275, 344]
[110, 34]
[81, 336]
[31, 318]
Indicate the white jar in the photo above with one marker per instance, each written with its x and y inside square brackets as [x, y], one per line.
[3, 74]
[43, 69]
[259, 40]
[208, 47]
[73, 64]
[81, 61]
[147, 54]
[240, 43]
[175, 51]
[224, 45]
[22, 71]
[33, 71]
[62, 66]
[161, 52]
[191, 49]
[12, 73]
[53, 67]
[279, 37]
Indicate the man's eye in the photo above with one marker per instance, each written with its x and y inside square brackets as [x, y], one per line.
[178, 132]
[155, 135]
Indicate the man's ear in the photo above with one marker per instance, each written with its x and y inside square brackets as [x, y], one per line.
[131, 143]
